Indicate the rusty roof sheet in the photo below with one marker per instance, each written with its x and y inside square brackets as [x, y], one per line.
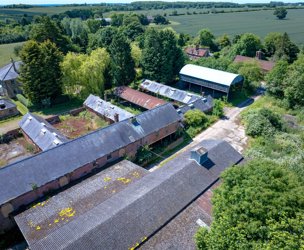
[106, 109]
[139, 98]
[264, 65]
[169, 92]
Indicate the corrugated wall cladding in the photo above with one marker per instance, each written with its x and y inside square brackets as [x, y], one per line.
[106, 109]
[17, 178]
[43, 134]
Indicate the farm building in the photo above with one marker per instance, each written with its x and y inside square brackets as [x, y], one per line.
[25, 181]
[204, 104]
[210, 80]
[138, 98]
[40, 132]
[7, 109]
[9, 86]
[106, 110]
[196, 53]
[178, 95]
[130, 215]
[265, 66]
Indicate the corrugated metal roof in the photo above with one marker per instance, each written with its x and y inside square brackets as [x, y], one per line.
[169, 92]
[8, 71]
[204, 105]
[126, 219]
[106, 109]
[7, 103]
[139, 98]
[17, 178]
[264, 65]
[43, 134]
[210, 75]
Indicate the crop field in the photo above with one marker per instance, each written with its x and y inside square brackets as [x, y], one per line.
[6, 52]
[258, 22]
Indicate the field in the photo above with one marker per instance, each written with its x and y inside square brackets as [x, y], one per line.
[257, 22]
[6, 52]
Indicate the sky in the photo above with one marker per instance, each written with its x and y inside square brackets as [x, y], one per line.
[4, 2]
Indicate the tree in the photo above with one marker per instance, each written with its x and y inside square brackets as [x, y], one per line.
[280, 13]
[195, 118]
[294, 90]
[123, 72]
[276, 79]
[46, 29]
[86, 74]
[136, 54]
[223, 41]
[40, 72]
[271, 42]
[161, 57]
[257, 206]
[133, 29]
[206, 38]
[102, 38]
[247, 45]
[218, 108]
[159, 19]
[286, 49]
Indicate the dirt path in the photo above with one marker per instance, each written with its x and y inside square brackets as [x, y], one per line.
[228, 129]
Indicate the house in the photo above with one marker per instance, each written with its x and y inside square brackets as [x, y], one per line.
[138, 98]
[7, 108]
[197, 53]
[27, 180]
[40, 132]
[210, 80]
[204, 104]
[106, 110]
[178, 95]
[264, 65]
[133, 215]
[9, 85]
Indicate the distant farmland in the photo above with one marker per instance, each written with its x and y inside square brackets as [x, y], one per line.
[6, 52]
[257, 22]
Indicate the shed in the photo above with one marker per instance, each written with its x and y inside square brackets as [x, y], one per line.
[212, 79]
[40, 132]
[178, 95]
[138, 98]
[9, 86]
[204, 104]
[106, 109]
[7, 109]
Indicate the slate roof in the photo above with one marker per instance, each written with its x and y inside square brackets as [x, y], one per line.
[106, 109]
[264, 65]
[169, 92]
[8, 104]
[129, 217]
[8, 71]
[51, 164]
[43, 134]
[203, 104]
[139, 98]
[210, 75]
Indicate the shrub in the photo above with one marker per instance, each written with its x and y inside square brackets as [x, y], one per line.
[218, 108]
[23, 100]
[195, 118]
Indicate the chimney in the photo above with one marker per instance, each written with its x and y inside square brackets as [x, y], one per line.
[116, 117]
[200, 155]
[259, 55]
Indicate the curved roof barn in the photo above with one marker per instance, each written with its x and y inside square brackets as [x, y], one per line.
[211, 78]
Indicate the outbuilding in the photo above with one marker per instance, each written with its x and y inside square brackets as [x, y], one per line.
[7, 109]
[211, 81]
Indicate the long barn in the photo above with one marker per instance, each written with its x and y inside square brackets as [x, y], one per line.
[213, 81]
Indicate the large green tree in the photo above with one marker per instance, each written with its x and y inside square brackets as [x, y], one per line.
[47, 29]
[86, 74]
[162, 58]
[257, 206]
[280, 12]
[122, 63]
[40, 72]
[247, 45]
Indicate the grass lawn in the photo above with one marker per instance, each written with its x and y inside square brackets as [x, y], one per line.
[6, 52]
